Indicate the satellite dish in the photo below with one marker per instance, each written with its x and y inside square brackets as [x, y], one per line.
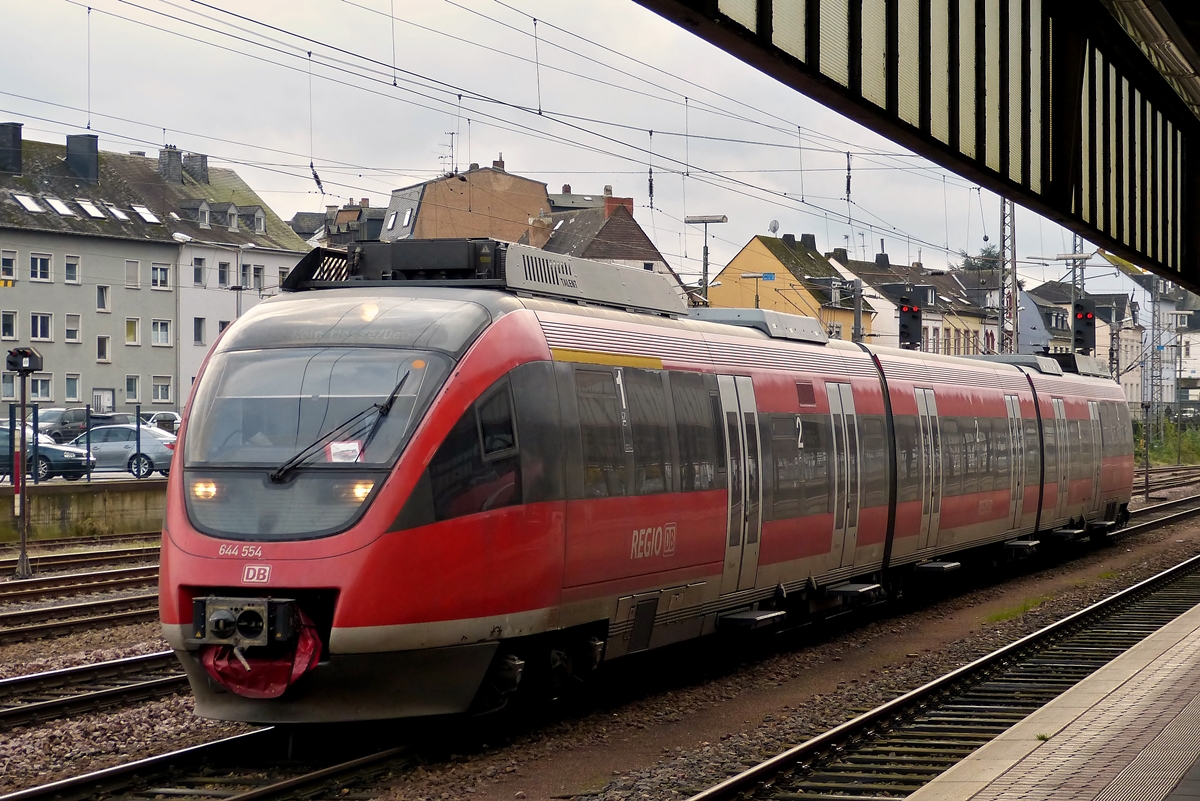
[773, 226]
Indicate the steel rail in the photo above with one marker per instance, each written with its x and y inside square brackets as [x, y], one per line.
[56, 693]
[80, 559]
[36, 623]
[60, 585]
[93, 540]
[758, 775]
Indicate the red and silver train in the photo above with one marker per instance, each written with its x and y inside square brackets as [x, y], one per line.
[428, 469]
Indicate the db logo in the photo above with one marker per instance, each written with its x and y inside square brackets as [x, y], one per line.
[256, 574]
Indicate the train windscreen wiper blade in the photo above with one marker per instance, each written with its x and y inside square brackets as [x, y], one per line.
[280, 474]
[384, 409]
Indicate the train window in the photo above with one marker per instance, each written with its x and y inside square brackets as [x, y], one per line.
[1050, 449]
[1080, 446]
[789, 472]
[604, 468]
[815, 456]
[908, 459]
[652, 466]
[969, 429]
[1031, 452]
[875, 460]
[496, 430]
[694, 428]
[1001, 456]
[952, 457]
[461, 479]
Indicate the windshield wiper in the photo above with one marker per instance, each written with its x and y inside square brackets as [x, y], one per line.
[280, 474]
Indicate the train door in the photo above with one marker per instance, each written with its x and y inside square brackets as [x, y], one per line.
[743, 456]
[1097, 434]
[931, 468]
[1016, 438]
[1063, 444]
[845, 470]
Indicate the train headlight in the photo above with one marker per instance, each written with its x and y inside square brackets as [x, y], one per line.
[361, 489]
[204, 489]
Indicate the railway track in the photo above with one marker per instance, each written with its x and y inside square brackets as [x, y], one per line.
[48, 621]
[263, 764]
[76, 584]
[58, 562]
[57, 693]
[75, 542]
[893, 750]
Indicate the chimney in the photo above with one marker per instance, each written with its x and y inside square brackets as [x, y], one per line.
[196, 165]
[789, 240]
[83, 156]
[365, 203]
[841, 256]
[608, 190]
[808, 241]
[331, 211]
[566, 189]
[498, 164]
[881, 260]
[611, 204]
[10, 147]
[474, 166]
[170, 164]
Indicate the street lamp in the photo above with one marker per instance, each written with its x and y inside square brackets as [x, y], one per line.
[758, 277]
[705, 220]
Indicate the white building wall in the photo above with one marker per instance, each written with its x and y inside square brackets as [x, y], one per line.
[213, 303]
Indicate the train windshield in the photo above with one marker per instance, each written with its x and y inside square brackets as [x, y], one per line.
[293, 409]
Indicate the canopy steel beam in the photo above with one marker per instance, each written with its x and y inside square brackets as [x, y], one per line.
[1046, 102]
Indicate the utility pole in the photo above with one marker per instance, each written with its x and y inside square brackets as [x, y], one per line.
[1009, 289]
[856, 334]
[705, 220]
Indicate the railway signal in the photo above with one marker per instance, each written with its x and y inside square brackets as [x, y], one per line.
[22, 361]
[1084, 325]
[910, 325]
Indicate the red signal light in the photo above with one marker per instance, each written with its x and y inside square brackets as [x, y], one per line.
[1090, 315]
[903, 308]
[1078, 315]
[916, 308]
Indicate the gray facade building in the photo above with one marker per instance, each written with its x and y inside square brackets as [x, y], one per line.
[105, 262]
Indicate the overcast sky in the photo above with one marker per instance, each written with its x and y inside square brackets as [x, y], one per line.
[604, 74]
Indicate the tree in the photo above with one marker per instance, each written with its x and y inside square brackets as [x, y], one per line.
[988, 259]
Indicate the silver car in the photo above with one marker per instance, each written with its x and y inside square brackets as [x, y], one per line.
[116, 448]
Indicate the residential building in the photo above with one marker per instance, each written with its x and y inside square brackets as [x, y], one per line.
[481, 202]
[802, 281]
[99, 259]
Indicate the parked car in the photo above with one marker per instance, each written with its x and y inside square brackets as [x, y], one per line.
[115, 448]
[46, 417]
[74, 422]
[41, 437]
[52, 460]
[167, 421]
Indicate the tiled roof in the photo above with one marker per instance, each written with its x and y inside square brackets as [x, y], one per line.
[952, 294]
[586, 233]
[125, 181]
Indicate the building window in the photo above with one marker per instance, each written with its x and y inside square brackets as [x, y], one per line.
[934, 344]
[39, 267]
[258, 276]
[925, 338]
[133, 274]
[648, 266]
[198, 276]
[283, 274]
[222, 325]
[71, 332]
[260, 224]
[8, 325]
[835, 330]
[162, 388]
[71, 270]
[222, 273]
[72, 387]
[41, 327]
[198, 330]
[204, 218]
[160, 333]
[245, 282]
[160, 276]
[8, 264]
[8, 386]
[132, 383]
[40, 388]
[133, 331]
[102, 299]
[102, 349]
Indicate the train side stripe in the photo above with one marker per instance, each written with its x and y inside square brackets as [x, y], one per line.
[596, 357]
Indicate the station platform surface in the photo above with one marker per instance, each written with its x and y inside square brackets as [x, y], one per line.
[1129, 731]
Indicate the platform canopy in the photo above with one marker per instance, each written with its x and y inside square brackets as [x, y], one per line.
[1082, 110]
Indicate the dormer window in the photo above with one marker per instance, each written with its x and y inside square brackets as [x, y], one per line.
[231, 214]
[204, 218]
[260, 223]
